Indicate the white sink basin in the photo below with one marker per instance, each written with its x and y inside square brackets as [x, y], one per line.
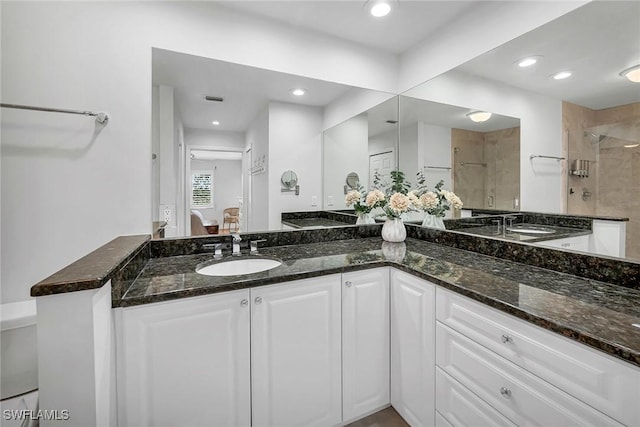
[530, 229]
[237, 267]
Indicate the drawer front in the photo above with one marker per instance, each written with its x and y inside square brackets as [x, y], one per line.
[578, 243]
[459, 407]
[520, 396]
[609, 385]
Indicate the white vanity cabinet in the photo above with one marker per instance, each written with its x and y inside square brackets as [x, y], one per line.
[412, 348]
[365, 342]
[577, 243]
[529, 375]
[185, 362]
[296, 353]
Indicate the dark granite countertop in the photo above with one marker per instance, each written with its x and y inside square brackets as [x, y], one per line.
[313, 222]
[598, 314]
[500, 233]
[93, 270]
[490, 212]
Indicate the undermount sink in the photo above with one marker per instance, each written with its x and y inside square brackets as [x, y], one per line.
[530, 229]
[237, 267]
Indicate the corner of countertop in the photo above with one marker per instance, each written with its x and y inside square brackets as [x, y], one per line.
[93, 270]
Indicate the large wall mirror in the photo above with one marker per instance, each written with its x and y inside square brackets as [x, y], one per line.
[477, 160]
[223, 135]
[364, 144]
[593, 115]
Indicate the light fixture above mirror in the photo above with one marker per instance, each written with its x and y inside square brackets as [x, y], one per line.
[632, 74]
[479, 116]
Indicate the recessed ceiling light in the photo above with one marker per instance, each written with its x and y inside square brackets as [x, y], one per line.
[631, 146]
[528, 61]
[215, 123]
[479, 116]
[380, 9]
[633, 74]
[298, 92]
[562, 75]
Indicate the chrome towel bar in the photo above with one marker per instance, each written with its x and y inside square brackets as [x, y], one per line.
[101, 117]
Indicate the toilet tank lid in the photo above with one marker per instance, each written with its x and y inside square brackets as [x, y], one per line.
[17, 314]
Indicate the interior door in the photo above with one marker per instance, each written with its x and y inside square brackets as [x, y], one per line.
[383, 163]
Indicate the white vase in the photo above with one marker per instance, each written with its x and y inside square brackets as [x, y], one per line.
[365, 218]
[432, 221]
[393, 230]
[394, 251]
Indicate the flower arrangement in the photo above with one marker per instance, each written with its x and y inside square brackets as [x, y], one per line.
[434, 203]
[364, 203]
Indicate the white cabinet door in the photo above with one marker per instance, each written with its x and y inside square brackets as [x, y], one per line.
[365, 342]
[296, 353]
[185, 362]
[412, 348]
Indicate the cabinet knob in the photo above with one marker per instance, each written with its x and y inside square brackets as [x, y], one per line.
[258, 300]
[348, 284]
[244, 303]
[505, 392]
[506, 338]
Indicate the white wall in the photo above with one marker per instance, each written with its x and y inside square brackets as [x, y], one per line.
[295, 143]
[541, 188]
[346, 149]
[97, 55]
[257, 138]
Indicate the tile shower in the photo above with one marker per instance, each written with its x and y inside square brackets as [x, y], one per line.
[609, 139]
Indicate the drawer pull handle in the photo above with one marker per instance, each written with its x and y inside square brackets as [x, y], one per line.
[244, 302]
[348, 284]
[258, 300]
[505, 392]
[506, 338]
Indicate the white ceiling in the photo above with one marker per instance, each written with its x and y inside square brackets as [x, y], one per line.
[246, 90]
[596, 42]
[408, 23]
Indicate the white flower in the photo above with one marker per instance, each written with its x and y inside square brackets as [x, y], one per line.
[352, 197]
[399, 203]
[374, 196]
[453, 199]
[429, 200]
[414, 199]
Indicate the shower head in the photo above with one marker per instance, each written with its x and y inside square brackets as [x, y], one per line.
[595, 138]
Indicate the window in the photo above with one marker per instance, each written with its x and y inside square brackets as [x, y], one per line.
[202, 189]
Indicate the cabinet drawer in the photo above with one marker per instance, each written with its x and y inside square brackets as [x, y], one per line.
[520, 396]
[578, 243]
[459, 407]
[609, 385]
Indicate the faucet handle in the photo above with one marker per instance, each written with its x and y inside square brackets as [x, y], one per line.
[254, 245]
[217, 248]
[236, 237]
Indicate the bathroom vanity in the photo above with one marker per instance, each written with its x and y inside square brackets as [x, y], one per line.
[345, 326]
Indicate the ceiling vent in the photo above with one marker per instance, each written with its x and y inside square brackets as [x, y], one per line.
[392, 122]
[214, 98]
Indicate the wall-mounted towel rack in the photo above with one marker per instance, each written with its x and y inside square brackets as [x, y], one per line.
[539, 156]
[438, 167]
[472, 164]
[101, 117]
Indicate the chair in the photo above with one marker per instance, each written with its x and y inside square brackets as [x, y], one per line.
[231, 216]
[197, 228]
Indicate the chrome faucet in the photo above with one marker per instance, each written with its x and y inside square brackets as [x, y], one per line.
[236, 244]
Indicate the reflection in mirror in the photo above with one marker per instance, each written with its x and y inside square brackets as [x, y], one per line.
[592, 117]
[224, 132]
[361, 145]
[289, 179]
[478, 161]
[353, 180]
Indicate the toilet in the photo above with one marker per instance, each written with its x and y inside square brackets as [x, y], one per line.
[19, 360]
